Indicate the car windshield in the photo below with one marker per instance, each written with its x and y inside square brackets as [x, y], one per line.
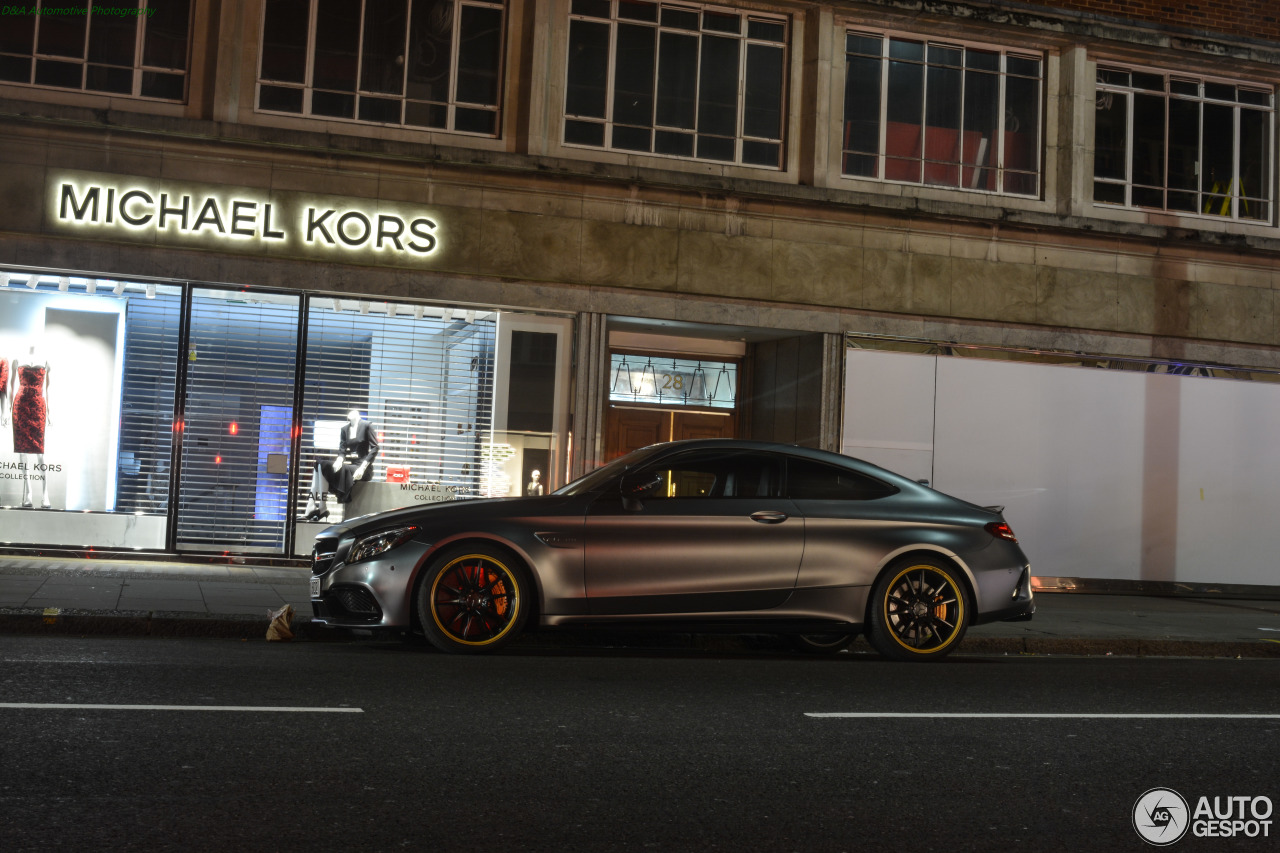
[594, 479]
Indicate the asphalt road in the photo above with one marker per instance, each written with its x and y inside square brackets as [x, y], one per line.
[591, 749]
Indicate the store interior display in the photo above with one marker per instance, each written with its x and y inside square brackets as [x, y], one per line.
[30, 377]
[357, 450]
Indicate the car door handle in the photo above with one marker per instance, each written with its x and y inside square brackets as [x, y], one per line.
[769, 516]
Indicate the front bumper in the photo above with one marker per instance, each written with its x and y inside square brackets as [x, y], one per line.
[374, 593]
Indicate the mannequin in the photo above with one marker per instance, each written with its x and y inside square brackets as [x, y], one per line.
[30, 395]
[357, 448]
[535, 487]
[4, 392]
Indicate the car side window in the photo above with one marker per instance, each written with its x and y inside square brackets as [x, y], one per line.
[715, 474]
[817, 481]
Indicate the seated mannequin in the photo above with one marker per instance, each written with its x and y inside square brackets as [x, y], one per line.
[357, 449]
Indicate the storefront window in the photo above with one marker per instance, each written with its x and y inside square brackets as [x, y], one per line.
[230, 420]
[88, 369]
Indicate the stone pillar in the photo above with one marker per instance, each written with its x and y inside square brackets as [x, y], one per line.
[591, 389]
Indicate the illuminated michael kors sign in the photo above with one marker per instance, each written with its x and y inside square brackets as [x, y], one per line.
[216, 217]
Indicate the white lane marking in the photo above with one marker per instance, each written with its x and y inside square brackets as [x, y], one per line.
[1033, 716]
[249, 708]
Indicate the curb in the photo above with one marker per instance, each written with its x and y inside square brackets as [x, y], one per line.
[186, 625]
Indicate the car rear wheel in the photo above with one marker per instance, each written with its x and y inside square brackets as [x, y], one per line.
[473, 599]
[822, 644]
[918, 610]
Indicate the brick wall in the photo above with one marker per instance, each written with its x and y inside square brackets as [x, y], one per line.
[1258, 19]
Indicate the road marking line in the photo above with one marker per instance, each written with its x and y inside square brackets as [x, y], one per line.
[251, 708]
[1033, 716]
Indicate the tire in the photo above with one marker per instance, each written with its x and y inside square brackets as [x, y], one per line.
[822, 644]
[919, 610]
[473, 599]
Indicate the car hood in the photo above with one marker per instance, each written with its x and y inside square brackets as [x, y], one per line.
[450, 512]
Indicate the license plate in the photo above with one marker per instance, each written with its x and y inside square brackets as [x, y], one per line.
[315, 587]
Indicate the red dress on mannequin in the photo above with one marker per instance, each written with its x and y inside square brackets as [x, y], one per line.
[29, 410]
[4, 378]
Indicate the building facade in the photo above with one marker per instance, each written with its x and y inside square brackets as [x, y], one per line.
[1026, 251]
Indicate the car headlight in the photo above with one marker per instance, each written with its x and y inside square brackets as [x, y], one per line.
[379, 543]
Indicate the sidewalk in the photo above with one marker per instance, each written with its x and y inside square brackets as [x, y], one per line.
[112, 597]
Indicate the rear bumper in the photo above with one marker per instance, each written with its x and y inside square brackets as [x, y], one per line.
[1021, 608]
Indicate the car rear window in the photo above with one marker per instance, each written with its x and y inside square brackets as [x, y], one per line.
[816, 481]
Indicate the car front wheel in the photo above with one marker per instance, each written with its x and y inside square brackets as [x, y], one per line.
[918, 610]
[473, 599]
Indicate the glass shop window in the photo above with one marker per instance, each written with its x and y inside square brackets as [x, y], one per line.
[677, 81]
[1177, 143]
[138, 48]
[88, 376]
[949, 115]
[434, 64]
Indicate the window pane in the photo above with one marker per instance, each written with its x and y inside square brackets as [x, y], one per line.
[865, 45]
[721, 23]
[678, 19]
[677, 80]
[814, 481]
[588, 69]
[911, 50]
[1108, 193]
[156, 84]
[18, 35]
[112, 36]
[1184, 145]
[715, 148]
[1110, 133]
[1148, 141]
[903, 135]
[426, 115]
[479, 55]
[762, 115]
[1022, 66]
[982, 60]
[761, 153]
[718, 89]
[942, 125]
[1218, 143]
[632, 138]
[62, 29]
[1220, 91]
[633, 77]
[949, 56]
[475, 121]
[430, 50]
[862, 105]
[715, 475]
[631, 10]
[15, 68]
[284, 40]
[1255, 165]
[1154, 82]
[766, 31]
[381, 110]
[594, 8]
[1022, 124]
[51, 72]
[337, 42]
[280, 99]
[584, 133]
[670, 142]
[109, 78]
[333, 104]
[164, 42]
[979, 145]
[382, 61]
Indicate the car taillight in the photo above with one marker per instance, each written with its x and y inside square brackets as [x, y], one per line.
[1001, 530]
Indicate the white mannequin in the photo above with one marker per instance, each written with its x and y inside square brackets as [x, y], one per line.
[32, 359]
[535, 484]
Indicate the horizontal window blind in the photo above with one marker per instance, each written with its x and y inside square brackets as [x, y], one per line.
[422, 376]
[240, 363]
[152, 327]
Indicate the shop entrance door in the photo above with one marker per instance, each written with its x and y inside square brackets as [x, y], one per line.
[627, 429]
[240, 365]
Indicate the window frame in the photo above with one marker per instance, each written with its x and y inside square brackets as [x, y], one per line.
[744, 40]
[308, 87]
[1200, 99]
[138, 69]
[1041, 56]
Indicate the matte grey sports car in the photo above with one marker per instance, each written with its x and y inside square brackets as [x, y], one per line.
[691, 535]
